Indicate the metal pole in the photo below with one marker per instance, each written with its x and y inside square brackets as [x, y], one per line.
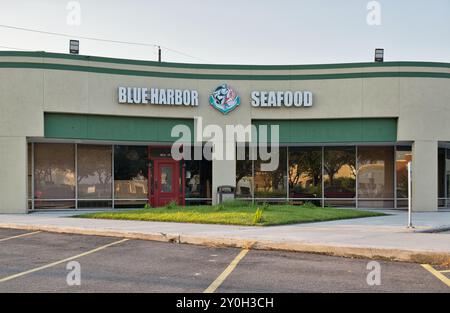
[32, 177]
[159, 54]
[409, 196]
[287, 174]
[253, 173]
[112, 177]
[76, 176]
[395, 178]
[323, 177]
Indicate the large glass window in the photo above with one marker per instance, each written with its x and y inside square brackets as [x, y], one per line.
[198, 180]
[339, 176]
[94, 175]
[244, 173]
[54, 175]
[447, 175]
[130, 175]
[272, 184]
[300, 170]
[441, 177]
[305, 174]
[29, 175]
[402, 158]
[376, 177]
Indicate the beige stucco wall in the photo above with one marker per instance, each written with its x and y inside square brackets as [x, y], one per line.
[13, 175]
[422, 106]
[425, 175]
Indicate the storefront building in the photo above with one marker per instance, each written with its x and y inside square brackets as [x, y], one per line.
[80, 132]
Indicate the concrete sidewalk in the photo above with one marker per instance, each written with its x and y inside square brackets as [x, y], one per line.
[383, 237]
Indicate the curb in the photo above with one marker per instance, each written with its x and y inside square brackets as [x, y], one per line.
[434, 230]
[412, 256]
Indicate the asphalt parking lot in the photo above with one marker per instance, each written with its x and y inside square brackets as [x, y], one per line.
[36, 262]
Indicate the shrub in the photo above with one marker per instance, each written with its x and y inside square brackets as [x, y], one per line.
[172, 205]
[309, 205]
[147, 206]
[258, 217]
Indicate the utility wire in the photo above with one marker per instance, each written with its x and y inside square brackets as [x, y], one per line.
[101, 39]
[14, 48]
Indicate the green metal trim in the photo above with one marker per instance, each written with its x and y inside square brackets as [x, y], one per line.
[111, 128]
[334, 130]
[150, 129]
[48, 55]
[113, 71]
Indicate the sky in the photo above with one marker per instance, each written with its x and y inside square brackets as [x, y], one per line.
[235, 31]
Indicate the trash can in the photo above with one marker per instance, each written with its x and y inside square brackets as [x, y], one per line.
[225, 193]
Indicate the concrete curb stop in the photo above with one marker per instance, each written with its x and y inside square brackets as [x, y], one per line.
[400, 255]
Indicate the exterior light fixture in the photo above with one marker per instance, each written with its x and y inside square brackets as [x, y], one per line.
[379, 55]
[74, 47]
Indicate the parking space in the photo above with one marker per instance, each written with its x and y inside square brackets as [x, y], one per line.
[113, 265]
[132, 266]
[24, 253]
[442, 273]
[270, 271]
[7, 234]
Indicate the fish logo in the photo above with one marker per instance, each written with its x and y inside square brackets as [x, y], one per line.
[224, 99]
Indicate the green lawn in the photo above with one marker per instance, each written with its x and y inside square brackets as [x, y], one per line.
[235, 214]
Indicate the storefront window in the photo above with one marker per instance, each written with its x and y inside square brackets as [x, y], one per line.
[272, 184]
[339, 176]
[402, 158]
[301, 170]
[130, 175]
[30, 169]
[29, 175]
[441, 177]
[54, 175]
[447, 174]
[198, 180]
[305, 175]
[94, 174]
[376, 177]
[244, 174]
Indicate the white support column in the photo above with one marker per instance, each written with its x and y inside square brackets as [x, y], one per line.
[425, 176]
[13, 173]
[223, 173]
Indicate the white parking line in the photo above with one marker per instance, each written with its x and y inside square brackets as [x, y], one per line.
[20, 236]
[60, 262]
[219, 280]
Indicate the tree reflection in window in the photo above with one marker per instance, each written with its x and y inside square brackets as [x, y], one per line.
[272, 184]
[305, 173]
[340, 172]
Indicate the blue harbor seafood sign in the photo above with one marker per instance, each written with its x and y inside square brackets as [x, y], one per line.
[224, 99]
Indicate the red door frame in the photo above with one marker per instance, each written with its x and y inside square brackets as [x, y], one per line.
[162, 198]
[153, 174]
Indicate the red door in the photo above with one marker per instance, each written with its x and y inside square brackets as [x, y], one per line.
[166, 181]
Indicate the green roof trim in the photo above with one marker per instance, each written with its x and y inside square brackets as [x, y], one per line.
[111, 128]
[345, 130]
[49, 55]
[115, 71]
[154, 129]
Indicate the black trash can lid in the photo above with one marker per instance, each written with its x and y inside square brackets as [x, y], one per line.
[225, 189]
